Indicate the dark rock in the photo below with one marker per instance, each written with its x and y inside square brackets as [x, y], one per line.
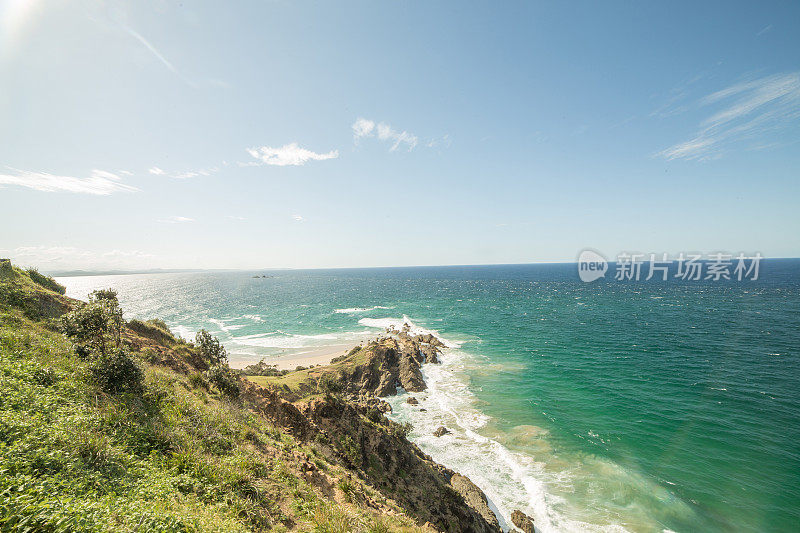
[441, 430]
[474, 497]
[431, 353]
[413, 401]
[522, 521]
[401, 471]
[389, 362]
[410, 375]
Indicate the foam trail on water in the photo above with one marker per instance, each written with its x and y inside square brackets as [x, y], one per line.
[355, 310]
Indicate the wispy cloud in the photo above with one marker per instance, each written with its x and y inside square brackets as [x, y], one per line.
[153, 50]
[365, 128]
[156, 171]
[176, 220]
[99, 182]
[744, 112]
[298, 218]
[444, 140]
[235, 217]
[286, 155]
[765, 29]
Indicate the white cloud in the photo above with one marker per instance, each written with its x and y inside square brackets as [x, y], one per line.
[234, 217]
[99, 182]
[157, 171]
[288, 154]
[176, 220]
[364, 128]
[298, 218]
[747, 111]
[128, 254]
[69, 258]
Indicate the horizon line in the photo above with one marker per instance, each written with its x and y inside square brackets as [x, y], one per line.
[64, 273]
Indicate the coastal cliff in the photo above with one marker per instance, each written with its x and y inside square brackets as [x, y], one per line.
[342, 404]
[146, 431]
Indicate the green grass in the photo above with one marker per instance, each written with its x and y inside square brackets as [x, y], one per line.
[177, 457]
[305, 383]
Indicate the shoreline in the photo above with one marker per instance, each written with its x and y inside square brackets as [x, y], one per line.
[308, 356]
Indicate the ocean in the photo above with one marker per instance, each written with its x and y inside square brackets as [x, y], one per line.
[605, 406]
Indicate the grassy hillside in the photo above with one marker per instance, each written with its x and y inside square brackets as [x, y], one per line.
[178, 455]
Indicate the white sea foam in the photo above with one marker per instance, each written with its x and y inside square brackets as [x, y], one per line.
[355, 310]
[414, 329]
[510, 480]
[279, 339]
[223, 326]
[184, 332]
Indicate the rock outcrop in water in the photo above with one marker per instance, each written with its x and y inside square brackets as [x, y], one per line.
[441, 431]
[522, 521]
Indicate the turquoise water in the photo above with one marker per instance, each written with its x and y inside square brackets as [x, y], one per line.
[610, 406]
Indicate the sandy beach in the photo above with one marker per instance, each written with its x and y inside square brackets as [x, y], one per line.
[321, 355]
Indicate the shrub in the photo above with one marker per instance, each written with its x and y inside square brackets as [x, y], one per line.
[149, 355]
[197, 381]
[117, 372]
[157, 322]
[261, 369]
[402, 430]
[224, 379]
[329, 383]
[45, 281]
[350, 450]
[210, 348]
[152, 329]
[374, 415]
[90, 327]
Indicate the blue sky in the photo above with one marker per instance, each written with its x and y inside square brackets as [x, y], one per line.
[297, 134]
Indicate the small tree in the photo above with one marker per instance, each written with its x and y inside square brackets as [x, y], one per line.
[108, 299]
[95, 326]
[210, 348]
[224, 379]
[89, 327]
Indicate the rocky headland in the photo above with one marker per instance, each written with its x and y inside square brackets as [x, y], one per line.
[345, 401]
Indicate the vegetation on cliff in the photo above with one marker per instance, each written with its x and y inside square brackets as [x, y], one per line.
[108, 425]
